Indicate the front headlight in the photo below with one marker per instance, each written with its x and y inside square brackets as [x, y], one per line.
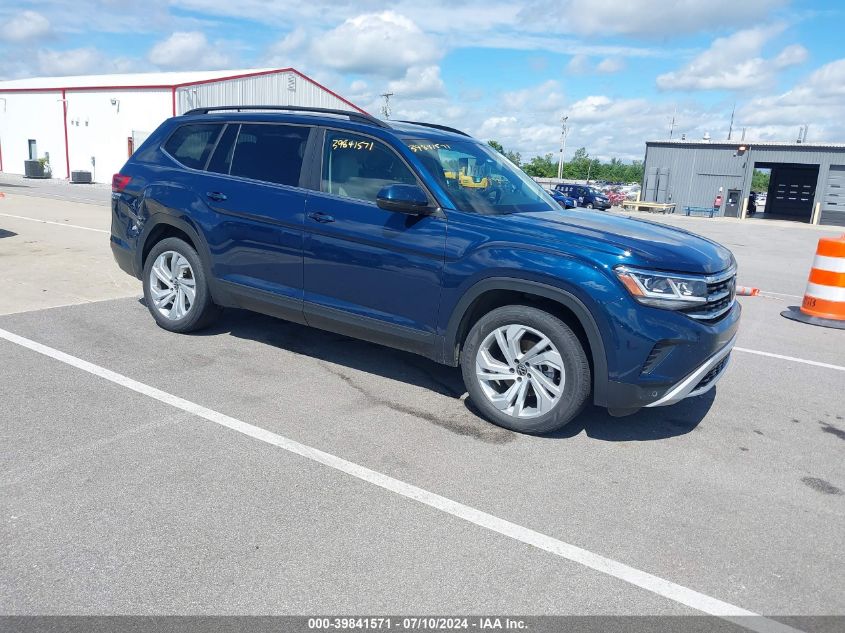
[663, 290]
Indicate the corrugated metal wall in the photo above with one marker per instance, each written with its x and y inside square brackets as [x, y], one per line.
[690, 176]
[694, 172]
[271, 89]
[833, 207]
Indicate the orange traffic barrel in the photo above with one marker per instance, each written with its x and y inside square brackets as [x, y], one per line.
[824, 298]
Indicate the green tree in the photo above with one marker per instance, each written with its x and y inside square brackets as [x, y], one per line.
[760, 180]
[541, 167]
[514, 157]
[496, 145]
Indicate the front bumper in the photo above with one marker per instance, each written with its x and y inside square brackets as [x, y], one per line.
[700, 381]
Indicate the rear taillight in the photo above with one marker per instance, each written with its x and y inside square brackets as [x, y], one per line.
[119, 182]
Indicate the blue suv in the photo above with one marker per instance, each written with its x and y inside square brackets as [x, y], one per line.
[586, 196]
[418, 237]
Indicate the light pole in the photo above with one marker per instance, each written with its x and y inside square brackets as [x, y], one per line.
[563, 132]
[385, 109]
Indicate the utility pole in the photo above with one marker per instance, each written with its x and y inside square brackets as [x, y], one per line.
[564, 130]
[672, 122]
[731, 128]
[385, 109]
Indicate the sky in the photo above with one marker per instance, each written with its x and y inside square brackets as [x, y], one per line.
[620, 70]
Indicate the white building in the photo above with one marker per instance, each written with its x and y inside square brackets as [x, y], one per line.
[93, 123]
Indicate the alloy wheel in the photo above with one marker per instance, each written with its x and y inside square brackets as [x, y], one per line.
[520, 371]
[172, 285]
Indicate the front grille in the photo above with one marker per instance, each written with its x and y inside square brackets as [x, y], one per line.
[721, 295]
[711, 375]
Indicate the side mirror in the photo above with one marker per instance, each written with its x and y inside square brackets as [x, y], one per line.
[408, 199]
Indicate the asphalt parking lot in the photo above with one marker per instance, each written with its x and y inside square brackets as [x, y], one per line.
[118, 499]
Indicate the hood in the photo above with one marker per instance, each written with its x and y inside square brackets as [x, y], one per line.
[633, 242]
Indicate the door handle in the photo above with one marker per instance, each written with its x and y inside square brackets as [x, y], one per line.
[319, 216]
[216, 196]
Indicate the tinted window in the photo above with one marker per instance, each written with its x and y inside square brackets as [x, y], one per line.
[358, 167]
[221, 160]
[191, 144]
[272, 153]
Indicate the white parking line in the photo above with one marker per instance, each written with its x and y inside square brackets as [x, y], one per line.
[597, 562]
[73, 226]
[815, 363]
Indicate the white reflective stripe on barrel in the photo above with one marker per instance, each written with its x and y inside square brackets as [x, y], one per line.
[831, 264]
[828, 293]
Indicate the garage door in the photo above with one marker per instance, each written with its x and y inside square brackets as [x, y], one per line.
[833, 205]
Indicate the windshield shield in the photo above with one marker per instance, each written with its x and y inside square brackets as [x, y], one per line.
[479, 179]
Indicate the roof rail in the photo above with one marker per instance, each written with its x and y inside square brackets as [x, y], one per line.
[358, 117]
[436, 126]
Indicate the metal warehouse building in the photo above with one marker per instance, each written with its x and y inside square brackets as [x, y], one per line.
[93, 123]
[807, 182]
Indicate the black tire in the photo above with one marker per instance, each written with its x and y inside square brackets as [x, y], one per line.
[577, 384]
[203, 312]
[590, 205]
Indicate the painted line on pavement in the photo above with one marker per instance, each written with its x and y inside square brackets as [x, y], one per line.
[804, 361]
[597, 562]
[73, 226]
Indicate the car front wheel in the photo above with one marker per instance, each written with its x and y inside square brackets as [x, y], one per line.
[525, 369]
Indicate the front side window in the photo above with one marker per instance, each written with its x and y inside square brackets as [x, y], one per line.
[356, 166]
[191, 144]
[270, 152]
[479, 179]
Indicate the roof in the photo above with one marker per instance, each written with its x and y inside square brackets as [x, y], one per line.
[134, 80]
[750, 144]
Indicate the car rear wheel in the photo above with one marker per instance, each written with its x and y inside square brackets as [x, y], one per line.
[525, 369]
[175, 287]
[590, 205]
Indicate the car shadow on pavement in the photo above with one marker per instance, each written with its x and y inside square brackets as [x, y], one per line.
[595, 422]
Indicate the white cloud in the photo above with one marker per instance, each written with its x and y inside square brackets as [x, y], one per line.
[26, 25]
[419, 82]
[610, 65]
[734, 63]
[646, 17]
[546, 97]
[384, 43]
[78, 61]
[189, 50]
[817, 100]
[290, 43]
[578, 65]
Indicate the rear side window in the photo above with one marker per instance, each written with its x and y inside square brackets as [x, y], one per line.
[270, 152]
[192, 144]
[221, 160]
[358, 167]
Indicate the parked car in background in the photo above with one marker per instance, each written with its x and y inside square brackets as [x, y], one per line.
[340, 221]
[587, 196]
[567, 202]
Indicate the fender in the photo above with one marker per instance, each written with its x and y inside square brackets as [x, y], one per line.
[183, 225]
[567, 299]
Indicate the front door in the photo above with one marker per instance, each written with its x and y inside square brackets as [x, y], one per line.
[732, 204]
[370, 272]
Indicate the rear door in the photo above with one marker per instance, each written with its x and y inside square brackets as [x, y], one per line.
[252, 185]
[369, 272]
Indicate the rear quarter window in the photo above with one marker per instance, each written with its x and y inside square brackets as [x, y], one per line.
[191, 144]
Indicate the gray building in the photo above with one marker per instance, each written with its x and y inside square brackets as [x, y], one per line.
[807, 182]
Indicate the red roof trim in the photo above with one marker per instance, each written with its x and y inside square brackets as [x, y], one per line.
[188, 83]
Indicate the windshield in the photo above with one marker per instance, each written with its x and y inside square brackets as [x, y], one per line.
[479, 179]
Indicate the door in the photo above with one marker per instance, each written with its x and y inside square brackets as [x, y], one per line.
[732, 204]
[792, 191]
[371, 273]
[255, 235]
